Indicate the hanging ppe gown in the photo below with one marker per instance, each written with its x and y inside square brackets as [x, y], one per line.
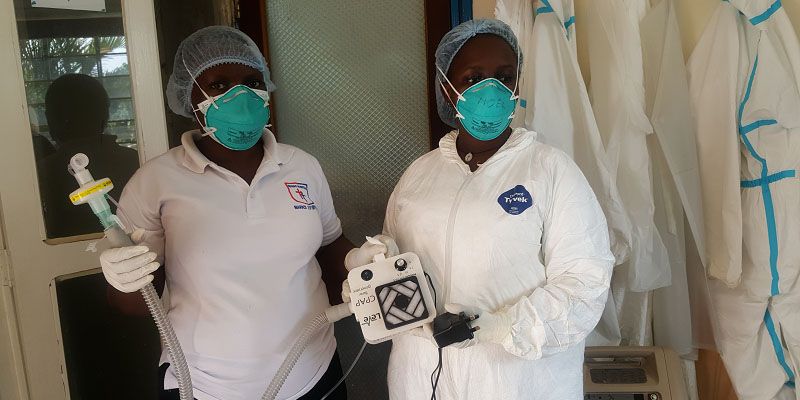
[522, 237]
[676, 175]
[744, 77]
[554, 102]
[617, 94]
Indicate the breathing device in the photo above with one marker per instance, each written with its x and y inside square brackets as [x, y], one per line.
[390, 296]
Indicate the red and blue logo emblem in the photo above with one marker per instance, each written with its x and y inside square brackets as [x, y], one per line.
[298, 192]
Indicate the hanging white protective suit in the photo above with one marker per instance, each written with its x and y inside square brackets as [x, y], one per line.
[676, 175]
[617, 94]
[744, 76]
[523, 238]
[554, 102]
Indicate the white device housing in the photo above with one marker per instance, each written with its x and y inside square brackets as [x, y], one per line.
[390, 296]
[650, 373]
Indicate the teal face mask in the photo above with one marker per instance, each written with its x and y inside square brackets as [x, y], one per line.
[485, 108]
[236, 118]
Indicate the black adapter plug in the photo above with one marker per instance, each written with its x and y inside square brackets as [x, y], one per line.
[450, 328]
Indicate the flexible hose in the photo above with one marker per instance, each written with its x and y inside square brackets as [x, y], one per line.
[319, 322]
[119, 238]
[179, 366]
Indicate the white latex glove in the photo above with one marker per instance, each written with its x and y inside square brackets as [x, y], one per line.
[493, 327]
[130, 268]
[380, 244]
[425, 332]
[345, 291]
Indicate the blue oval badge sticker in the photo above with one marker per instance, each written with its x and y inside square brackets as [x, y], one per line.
[516, 200]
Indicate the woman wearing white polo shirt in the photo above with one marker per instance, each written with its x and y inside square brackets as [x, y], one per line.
[236, 219]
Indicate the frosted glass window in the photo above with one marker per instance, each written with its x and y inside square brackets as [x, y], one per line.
[351, 78]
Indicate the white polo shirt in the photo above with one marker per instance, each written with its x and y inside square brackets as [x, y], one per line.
[240, 264]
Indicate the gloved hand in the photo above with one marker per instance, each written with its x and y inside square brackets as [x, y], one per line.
[493, 327]
[345, 291]
[380, 244]
[424, 332]
[130, 268]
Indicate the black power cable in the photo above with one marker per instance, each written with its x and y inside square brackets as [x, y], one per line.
[433, 288]
[435, 376]
[437, 372]
[448, 328]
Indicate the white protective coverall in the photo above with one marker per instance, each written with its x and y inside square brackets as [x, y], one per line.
[640, 87]
[744, 77]
[522, 237]
[557, 105]
[676, 174]
[617, 93]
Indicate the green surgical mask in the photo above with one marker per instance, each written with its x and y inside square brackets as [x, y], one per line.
[485, 108]
[236, 118]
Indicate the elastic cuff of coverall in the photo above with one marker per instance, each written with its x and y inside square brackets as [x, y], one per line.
[525, 341]
[494, 327]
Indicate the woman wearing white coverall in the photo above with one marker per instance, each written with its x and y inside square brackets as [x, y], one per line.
[237, 219]
[508, 229]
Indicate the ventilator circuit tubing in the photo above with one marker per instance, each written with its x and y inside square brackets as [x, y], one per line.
[119, 238]
[320, 322]
[93, 192]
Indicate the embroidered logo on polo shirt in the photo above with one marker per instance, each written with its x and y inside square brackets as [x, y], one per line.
[298, 192]
[516, 200]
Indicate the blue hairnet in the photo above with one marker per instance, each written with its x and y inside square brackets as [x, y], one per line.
[452, 43]
[206, 48]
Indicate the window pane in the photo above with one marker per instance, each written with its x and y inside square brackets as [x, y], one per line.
[115, 64]
[111, 44]
[121, 109]
[35, 91]
[74, 110]
[86, 65]
[118, 86]
[38, 118]
[34, 48]
[360, 185]
[69, 46]
[35, 69]
[125, 132]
